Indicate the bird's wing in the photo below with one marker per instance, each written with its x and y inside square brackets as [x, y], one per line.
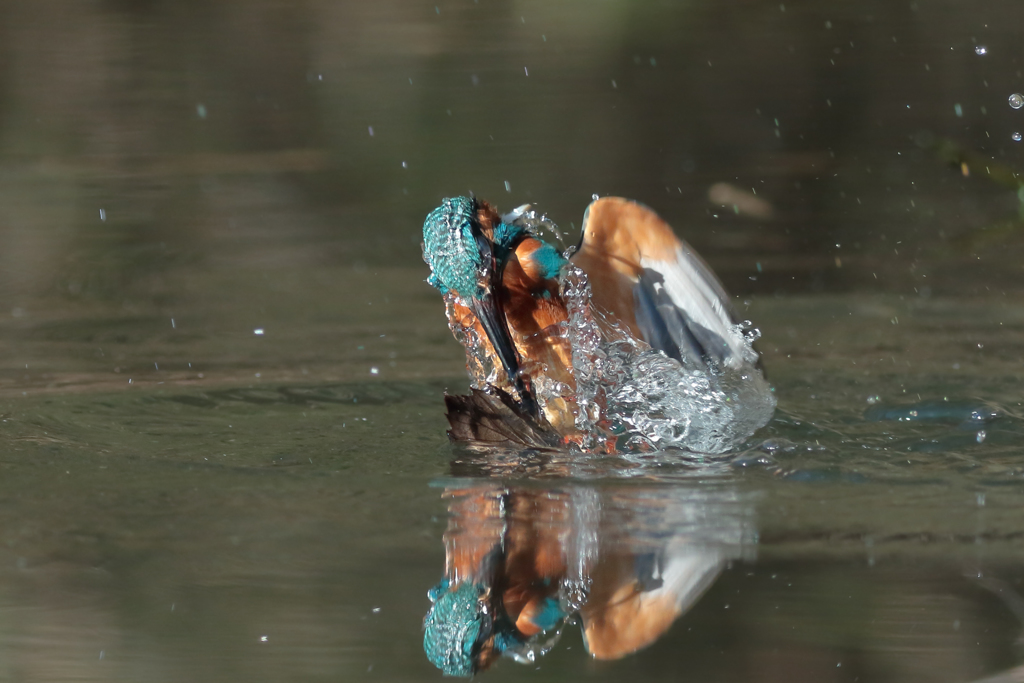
[656, 284]
[644, 607]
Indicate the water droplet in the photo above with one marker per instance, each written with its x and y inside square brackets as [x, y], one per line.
[201, 110]
[981, 50]
[980, 438]
[594, 197]
[258, 331]
[405, 164]
[1016, 136]
[508, 188]
[1016, 100]
[103, 214]
[375, 370]
[958, 110]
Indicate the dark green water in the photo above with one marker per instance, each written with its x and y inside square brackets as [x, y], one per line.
[183, 499]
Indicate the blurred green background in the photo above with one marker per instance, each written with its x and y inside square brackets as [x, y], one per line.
[272, 134]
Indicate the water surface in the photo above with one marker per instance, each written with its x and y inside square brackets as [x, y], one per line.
[185, 499]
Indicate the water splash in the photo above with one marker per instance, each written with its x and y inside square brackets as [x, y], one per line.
[644, 400]
[535, 222]
[483, 371]
[627, 396]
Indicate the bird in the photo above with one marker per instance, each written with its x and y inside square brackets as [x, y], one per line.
[504, 287]
[521, 561]
[503, 569]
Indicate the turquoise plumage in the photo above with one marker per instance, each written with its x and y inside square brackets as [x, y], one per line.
[456, 247]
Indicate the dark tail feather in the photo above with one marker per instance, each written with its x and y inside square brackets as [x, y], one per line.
[485, 419]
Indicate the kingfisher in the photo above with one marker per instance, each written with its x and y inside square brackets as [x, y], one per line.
[521, 562]
[504, 561]
[508, 302]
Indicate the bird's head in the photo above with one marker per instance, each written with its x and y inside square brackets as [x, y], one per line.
[466, 245]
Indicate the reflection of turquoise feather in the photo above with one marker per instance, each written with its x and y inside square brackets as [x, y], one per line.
[452, 627]
[457, 619]
[549, 617]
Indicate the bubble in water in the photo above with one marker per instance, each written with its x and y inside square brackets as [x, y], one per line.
[1016, 100]
[627, 396]
[650, 400]
[980, 50]
[1016, 136]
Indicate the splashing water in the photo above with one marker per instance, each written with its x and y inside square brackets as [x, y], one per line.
[535, 222]
[483, 371]
[651, 401]
[629, 397]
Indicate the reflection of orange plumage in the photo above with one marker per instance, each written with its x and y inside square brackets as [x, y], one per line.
[525, 546]
[476, 526]
[535, 559]
[532, 561]
[619, 617]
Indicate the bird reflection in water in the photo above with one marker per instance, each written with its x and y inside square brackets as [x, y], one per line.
[624, 562]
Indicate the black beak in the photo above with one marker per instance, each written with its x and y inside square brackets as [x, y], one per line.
[490, 314]
[489, 311]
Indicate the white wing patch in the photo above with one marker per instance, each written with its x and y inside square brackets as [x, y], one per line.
[701, 312]
[687, 574]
